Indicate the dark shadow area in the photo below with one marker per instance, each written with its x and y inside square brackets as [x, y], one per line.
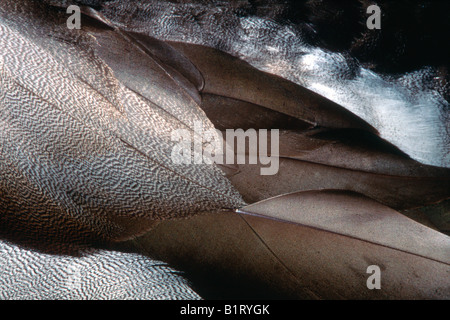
[213, 284]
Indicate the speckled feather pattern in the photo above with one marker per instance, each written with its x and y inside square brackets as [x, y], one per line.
[83, 159]
[414, 119]
[92, 147]
[96, 275]
[85, 136]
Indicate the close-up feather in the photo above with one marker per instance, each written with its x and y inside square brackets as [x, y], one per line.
[94, 206]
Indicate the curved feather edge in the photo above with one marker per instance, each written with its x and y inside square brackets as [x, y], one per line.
[228, 76]
[309, 245]
[355, 216]
[344, 159]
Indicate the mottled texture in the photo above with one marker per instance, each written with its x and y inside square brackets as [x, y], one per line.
[78, 145]
[309, 245]
[86, 118]
[416, 121]
[96, 275]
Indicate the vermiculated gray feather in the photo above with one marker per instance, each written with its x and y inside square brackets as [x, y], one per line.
[96, 275]
[87, 146]
[86, 118]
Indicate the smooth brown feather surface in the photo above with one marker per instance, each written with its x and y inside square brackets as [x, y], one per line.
[228, 113]
[356, 216]
[229, 76]
[298, 247]
[294, 175]
[86, 122]
[346, 160]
